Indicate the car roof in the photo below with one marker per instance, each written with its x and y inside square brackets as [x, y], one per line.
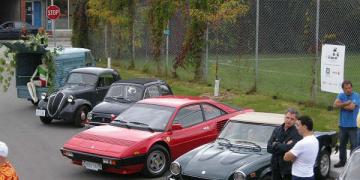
[260, 118]
[175, 101]
[92, 70]
[140, 81]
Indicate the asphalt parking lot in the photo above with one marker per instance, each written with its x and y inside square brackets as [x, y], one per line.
[34, 147]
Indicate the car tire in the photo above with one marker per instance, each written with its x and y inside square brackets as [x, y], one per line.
[266, 177]
[80, 116]
[322, 170]
[46, 120]
[157, 161]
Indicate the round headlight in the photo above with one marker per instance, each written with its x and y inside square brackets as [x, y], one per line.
[43, 96]
[90, 115]
[70, 99]
[175, 168]
[239, 176]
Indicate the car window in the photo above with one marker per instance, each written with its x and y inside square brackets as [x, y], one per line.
[82, 78]
[88, 59]
[189, 116]
[125, 91]
[211, 112]
[164, 90]
[151, 91]
[105, 80]
[8, 25]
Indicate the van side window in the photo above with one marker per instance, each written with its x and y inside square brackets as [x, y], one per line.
[88, 59]
[105, 80]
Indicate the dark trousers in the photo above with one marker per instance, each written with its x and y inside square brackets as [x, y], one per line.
[303, 178]
[346, 134]
[276, 175]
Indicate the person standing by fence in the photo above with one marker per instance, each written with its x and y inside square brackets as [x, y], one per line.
[304, 153]
[348, 102]
[282, 140]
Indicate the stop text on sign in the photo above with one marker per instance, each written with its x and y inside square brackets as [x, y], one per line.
[53, 12]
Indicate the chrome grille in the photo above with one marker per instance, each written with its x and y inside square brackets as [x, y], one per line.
[55, 103]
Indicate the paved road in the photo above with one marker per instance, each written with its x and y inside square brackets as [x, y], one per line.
[34, 147]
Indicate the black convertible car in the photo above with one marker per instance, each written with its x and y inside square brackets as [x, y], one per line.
[83, 89]
[122, 94]
[240, 153]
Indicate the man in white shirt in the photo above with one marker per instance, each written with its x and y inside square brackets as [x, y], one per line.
[305, 151]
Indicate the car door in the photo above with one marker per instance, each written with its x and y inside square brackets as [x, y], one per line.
[103, 85]
[194, 133]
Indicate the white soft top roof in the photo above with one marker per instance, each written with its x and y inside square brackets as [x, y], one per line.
[71, 50]
[260, 118]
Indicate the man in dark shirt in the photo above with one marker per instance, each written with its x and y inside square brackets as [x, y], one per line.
[282, 140]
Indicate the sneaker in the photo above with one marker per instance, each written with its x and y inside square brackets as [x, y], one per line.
[339, 164]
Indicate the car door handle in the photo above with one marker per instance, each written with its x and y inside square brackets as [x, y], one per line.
[206, 128]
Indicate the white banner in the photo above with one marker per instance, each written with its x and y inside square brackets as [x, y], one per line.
[332, 67]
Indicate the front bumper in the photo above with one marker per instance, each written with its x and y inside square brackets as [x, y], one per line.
[119, 163]
[66, 113]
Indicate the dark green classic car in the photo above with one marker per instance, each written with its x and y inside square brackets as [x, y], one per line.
[240, 153]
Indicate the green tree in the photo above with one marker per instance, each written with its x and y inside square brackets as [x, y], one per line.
[80, 25]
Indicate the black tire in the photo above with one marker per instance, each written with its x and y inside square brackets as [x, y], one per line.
[153, 168]
[266, 177]
[80, 116]
[46, 120]
[322, 170]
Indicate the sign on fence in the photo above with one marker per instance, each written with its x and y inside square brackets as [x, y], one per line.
[332, 67]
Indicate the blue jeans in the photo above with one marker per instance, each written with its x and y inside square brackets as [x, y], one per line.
[346, 134]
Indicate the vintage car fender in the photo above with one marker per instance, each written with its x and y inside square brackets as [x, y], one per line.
[69, 110]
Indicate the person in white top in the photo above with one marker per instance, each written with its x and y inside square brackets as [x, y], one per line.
[304, 153]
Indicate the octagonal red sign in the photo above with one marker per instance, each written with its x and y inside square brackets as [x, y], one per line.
[53, 12]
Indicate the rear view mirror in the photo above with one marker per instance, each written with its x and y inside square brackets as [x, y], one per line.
[175, 127]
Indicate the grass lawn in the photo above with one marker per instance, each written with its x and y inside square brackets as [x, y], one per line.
[324, 120]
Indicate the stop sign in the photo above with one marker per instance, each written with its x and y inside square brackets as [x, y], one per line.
[53, 12]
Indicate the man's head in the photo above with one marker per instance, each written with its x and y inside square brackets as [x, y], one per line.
[347, 87]
[304, 125]
[291, 116]
[3, 152]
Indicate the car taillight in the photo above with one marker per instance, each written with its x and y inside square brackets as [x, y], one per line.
[109, 161]
[112, 117]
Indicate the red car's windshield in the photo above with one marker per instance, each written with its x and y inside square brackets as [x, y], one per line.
[147, 116]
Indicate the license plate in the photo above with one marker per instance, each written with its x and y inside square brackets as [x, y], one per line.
[40, 112]
[92, 166]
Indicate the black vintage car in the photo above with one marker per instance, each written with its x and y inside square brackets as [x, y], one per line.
[122, 94]
[240, 153]
[83, 89]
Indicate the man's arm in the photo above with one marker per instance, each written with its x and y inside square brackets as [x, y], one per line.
[270, 147]
[33, 76]
[350, 107]
[339, 104]
[289, 156]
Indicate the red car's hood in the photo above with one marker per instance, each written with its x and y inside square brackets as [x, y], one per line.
[108, 140]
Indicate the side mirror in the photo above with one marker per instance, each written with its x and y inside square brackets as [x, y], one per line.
[175, 127]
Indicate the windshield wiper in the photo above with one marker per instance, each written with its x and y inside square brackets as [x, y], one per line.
[120, 122]
[228, 143]
[142, 124]
[253, 146]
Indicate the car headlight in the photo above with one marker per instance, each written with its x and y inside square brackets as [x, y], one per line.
[175, 168]
[70, 99]
[239, 176]
[43, 96]
[90, 115]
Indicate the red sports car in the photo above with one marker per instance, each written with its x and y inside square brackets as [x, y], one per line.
[149, 135]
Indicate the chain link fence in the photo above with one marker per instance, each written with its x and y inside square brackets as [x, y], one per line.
[288, 64]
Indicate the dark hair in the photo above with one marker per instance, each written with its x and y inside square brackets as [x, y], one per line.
[345, 82]
[307, 121]
[293, 111]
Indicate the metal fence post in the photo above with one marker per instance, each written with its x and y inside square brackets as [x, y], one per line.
[257, 45]
[315, 86]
